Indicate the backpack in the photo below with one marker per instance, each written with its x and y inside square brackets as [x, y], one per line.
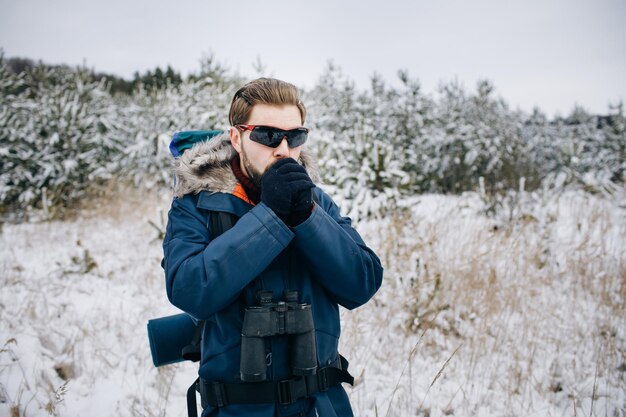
[177, 338]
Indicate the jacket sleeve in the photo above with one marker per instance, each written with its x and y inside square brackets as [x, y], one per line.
[340, 261]
[204, 276]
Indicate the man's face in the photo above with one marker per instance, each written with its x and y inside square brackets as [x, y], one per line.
[256, 158]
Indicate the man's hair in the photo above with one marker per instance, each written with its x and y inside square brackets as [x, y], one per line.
[263, 91]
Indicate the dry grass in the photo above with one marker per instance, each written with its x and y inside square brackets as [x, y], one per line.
[121, 200]
[535, 300]
[532, 298]
[81, 338]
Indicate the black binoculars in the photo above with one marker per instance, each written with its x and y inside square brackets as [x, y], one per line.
[286, 317]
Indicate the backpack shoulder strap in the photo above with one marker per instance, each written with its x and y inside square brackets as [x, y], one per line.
[220, 222]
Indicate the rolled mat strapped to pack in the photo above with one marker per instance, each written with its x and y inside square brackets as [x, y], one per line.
[177, 338]
[169, 336]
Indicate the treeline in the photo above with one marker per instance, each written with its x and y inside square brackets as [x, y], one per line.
[66, 133]
[388, 142]
[150, 79]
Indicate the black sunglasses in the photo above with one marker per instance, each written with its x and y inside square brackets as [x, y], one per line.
[272, 136]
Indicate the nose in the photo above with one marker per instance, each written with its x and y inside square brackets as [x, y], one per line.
[282, 150]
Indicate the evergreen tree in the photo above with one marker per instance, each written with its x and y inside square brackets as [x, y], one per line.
[59, 146]
[150, 118]
[65, 132]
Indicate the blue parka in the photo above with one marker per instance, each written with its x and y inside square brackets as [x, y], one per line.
[324, 259]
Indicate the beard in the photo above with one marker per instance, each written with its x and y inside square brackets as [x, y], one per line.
[253, 173]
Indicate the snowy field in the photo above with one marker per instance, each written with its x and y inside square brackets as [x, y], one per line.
[521, 313]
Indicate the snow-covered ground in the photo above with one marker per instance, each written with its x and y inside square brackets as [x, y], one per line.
[521, 313]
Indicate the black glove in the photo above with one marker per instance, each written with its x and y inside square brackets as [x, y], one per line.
[301, 205]
[285, 188]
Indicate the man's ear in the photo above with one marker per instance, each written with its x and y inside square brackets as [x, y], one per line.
[235, 138]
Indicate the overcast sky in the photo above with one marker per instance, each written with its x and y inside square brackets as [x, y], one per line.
[550, 54]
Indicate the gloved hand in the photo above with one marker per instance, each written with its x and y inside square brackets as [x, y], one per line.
[301, 205]
[285, 188]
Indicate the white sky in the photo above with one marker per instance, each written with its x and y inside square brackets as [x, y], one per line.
[552, 54]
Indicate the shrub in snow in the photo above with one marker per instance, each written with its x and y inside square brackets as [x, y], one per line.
[388, 141]
[364, 140]
[58, 141]
[151, 117]
[63, 136]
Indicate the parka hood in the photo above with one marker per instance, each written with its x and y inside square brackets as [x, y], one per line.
[206, 167]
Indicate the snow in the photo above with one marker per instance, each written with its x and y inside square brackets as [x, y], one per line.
[507, 301]
[517, 313]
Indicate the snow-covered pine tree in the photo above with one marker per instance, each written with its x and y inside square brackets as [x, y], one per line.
[61, 141]
[476, 136]
[544, 156]
[614, 129]
[330, 108]
[412, 121]
[354, 142]
[11, 85]
[152, 116]
[594, 147]
[63, 136]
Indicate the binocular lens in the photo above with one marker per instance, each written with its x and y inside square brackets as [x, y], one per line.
[285, 317]
[253, 367]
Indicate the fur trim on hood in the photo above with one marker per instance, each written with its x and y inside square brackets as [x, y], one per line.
[206, 167]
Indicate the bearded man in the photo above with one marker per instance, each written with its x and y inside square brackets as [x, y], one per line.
[268, 288]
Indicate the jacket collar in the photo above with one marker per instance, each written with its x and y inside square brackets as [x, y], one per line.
[206, 167]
